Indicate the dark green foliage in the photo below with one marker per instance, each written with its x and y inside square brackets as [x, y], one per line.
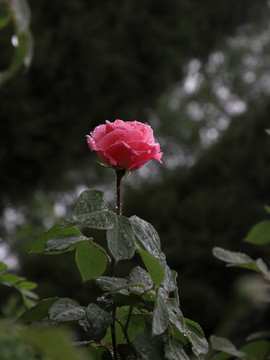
[20, 285]
[138, 308]
[96, 322]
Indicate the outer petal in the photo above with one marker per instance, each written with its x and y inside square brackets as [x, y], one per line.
[99, 132]
[119, 155]
[140, 158]
[118, 135]
[147, 132]
[91, 143]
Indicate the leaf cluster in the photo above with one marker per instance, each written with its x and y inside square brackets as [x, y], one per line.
[137, 316]
[20, 284]
[258, 344]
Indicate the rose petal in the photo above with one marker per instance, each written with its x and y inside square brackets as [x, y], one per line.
[139, 159]
[143, 146]
[119, 154]
[105, 160]
[99, 132]
[118, 135]
[91, 143]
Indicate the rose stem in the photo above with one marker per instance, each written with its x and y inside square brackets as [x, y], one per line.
[119, 176]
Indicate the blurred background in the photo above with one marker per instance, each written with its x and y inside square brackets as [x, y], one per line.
[199, 74]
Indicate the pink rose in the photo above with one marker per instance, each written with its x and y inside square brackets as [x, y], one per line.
[124, 144]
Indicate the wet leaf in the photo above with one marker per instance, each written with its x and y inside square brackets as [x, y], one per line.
[65, 310]
[146, 235]
[153, 266]
[120, 239]
[91, 261]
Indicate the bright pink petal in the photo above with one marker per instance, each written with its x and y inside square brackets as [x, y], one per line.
[91, 143]
[141, 159]
[99, 132]
[118, 135]
[119, 154]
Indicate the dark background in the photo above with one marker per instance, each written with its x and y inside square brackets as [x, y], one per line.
[198, 73]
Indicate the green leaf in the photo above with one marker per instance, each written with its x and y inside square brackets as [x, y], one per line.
[3, 266]
[169, 283]
[231, 256]
[242, 260]
[259, 335]
[267, 208]
[90, 201]
[92, 211]
[175, 315]
[221, 356]
[5, 14]
[258, 349]
[27, 285]
[54, 233]
[137, 281]
[262, 267]
[52, 342]
[91, 261]
[160, 315]
[196, 336]
[174, 351]
[29, 294]
[64, 243]
[96, 322]
[223, 344]
[259, 234]
[139, 276]
[137, 324]
[146, 235]
[10, 279]
[153, 266]
[28, 303]
[38, 312]
[97, 352]
[110, 284]
[149, 347]
[179, 336]
[120, 239]
[66, 309]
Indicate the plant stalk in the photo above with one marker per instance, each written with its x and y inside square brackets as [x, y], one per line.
[115, 353]
[119, 175]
